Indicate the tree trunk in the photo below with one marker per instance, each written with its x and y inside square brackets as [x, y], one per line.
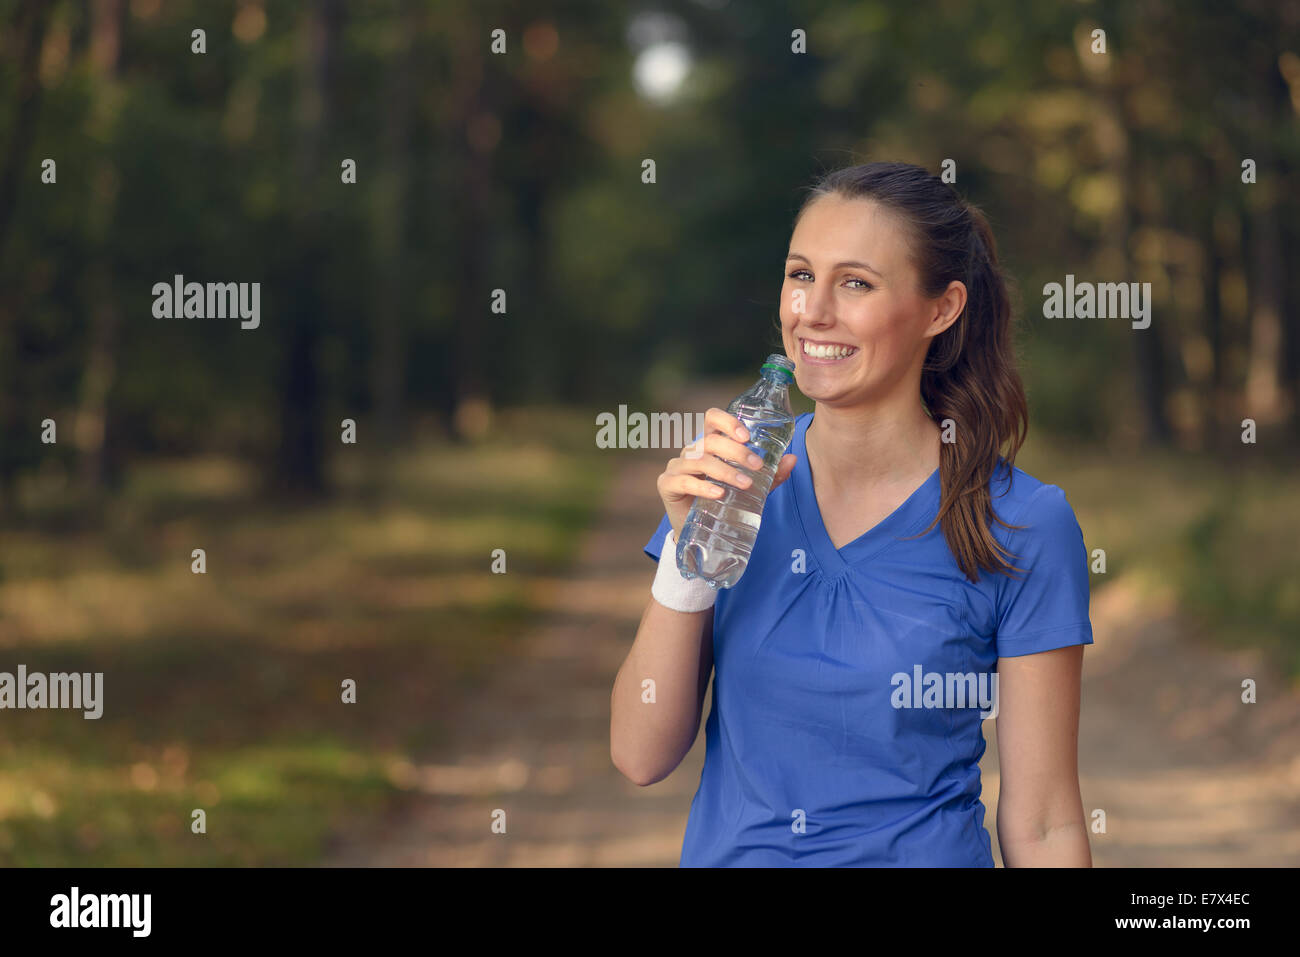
[300, 462]
[472, 404]
[29, 25]
[388, 369]
[1291, 337]
[92, 429]
[1214, 398]
[1148, 343]
[1264, 395]
[16, 418]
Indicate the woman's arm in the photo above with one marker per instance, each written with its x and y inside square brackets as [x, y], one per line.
[1040, 818]
[675, 648]
[648, 741]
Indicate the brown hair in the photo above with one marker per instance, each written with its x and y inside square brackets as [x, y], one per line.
[970, 373]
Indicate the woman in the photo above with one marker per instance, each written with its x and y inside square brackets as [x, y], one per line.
[907, 550]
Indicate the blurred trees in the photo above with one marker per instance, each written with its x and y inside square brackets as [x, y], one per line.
[521, 171]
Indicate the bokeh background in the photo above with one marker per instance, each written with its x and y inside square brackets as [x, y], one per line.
[522, 171]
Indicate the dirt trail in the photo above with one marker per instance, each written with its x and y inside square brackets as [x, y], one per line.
[1186, 774]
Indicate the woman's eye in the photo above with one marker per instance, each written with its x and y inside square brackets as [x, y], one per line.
[799, 273]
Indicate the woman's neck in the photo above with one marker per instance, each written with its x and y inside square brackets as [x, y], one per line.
[889, 443]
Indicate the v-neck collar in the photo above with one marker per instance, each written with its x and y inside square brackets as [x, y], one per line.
[908, 519]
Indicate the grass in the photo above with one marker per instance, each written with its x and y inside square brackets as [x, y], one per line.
[222, 690]
[1217, 535]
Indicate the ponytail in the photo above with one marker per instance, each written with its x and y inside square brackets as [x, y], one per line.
[969, 378]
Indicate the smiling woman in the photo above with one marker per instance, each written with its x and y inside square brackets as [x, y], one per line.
[883, 555]
[900, 306]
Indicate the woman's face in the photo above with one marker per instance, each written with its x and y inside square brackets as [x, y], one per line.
[860, 292]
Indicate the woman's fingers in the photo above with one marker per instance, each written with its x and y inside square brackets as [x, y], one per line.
[733, 451]
[726, 423]
[709, 457]
[689, 485]
[711, 465]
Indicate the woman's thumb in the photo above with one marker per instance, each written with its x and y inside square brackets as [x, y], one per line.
[785, 468]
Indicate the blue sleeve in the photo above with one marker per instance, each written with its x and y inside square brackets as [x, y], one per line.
[656, 543]
[1045, 605]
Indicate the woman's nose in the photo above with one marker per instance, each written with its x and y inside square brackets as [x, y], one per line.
[809, 308]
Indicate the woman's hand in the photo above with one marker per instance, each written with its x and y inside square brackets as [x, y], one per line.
[683, 479]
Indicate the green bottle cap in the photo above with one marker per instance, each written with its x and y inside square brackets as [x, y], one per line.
[780, 365]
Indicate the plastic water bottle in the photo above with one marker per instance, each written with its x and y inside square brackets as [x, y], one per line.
[719, 533]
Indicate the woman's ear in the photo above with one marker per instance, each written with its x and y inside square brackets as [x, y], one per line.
[948, 307]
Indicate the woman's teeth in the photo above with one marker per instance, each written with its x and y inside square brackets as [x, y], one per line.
[827, 352]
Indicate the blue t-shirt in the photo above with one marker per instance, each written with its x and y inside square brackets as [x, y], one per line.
[820, 747]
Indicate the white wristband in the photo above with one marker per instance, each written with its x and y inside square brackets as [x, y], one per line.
[673, 591]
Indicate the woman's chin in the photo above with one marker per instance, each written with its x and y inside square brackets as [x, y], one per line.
[833, 394]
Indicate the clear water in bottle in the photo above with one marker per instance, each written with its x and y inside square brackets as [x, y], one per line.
[719, 533]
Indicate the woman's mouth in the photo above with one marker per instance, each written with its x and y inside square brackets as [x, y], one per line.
[826, 353]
